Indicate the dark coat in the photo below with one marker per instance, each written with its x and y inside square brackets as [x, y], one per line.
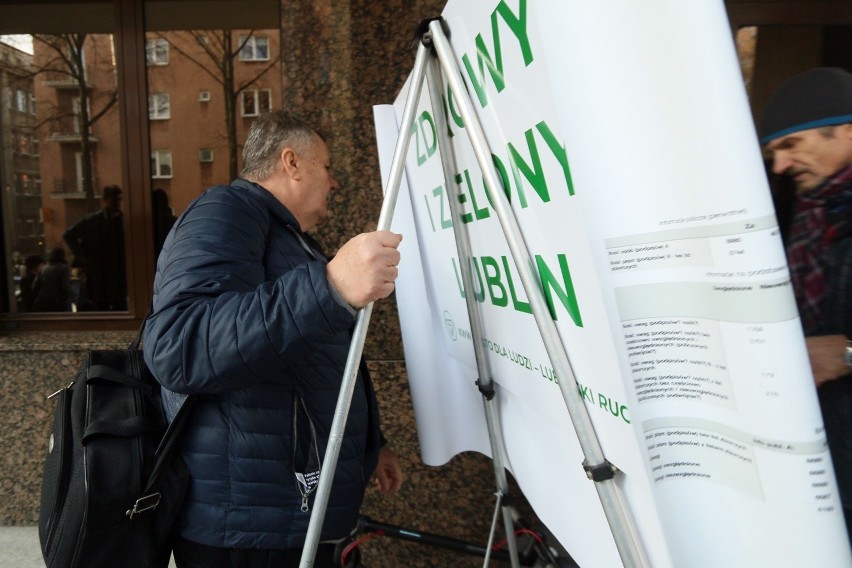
[53, 288]
[245, 317]
[97, 242]
[836, 396]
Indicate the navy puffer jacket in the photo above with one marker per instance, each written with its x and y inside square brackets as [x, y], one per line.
[245, 318]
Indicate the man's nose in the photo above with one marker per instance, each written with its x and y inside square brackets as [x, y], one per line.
[781, 162]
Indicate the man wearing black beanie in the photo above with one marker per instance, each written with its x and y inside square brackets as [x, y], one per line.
[806, 130]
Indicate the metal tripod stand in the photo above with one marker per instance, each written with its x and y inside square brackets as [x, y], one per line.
[433, 41]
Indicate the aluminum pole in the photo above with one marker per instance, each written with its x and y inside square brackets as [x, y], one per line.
[362, 321]
[435, 82]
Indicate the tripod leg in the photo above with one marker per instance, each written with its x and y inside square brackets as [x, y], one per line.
[435, 83]
[356, 349]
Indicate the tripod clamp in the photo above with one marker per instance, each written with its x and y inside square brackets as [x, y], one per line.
[487, 390]
[424, 35]
[600, 472]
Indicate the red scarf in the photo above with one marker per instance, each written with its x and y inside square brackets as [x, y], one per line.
[821, 215]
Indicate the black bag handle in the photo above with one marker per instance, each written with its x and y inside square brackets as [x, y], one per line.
[110, 374]
[165, 449]
[121, 428]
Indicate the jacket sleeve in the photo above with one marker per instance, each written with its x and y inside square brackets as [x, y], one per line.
[217, 324]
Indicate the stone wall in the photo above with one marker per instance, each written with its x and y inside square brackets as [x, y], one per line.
[454, 500]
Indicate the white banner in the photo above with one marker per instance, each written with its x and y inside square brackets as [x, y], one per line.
[622, 135]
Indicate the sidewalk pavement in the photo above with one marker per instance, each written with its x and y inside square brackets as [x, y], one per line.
[19, 548]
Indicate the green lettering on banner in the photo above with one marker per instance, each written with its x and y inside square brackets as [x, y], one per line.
[614, 407]
[518, 305]
[533, 174]
[462, 197]
[518, 26]
[566, 295]
[446, 220]
[452, 112]
[604, 402]
[498, 281]
[428, 150]
[558, 152]
[429, 210]
[504, 179]
[586, 392]
[493, 282]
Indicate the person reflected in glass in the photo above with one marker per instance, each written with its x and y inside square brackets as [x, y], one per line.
[162, 218]
[52, 285]
[28, 295]
[97, 243]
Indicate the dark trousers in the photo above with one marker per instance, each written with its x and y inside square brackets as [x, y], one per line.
[190, 554]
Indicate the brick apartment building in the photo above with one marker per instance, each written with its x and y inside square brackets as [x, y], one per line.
[62, 123]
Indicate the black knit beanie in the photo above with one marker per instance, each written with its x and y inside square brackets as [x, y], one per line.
[815, 98]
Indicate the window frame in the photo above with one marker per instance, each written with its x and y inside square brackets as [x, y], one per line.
[250, 44]
[126, 21]
[256, 96]
[155, 106]
[158, 163]
[153, 47]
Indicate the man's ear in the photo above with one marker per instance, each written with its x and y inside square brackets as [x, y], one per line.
[290, 162]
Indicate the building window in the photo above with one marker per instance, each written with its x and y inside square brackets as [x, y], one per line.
[161, 164]
[254, 48]
[53, 176]
[157, 52]
[256, 101]
[20, 101]
[158, 106]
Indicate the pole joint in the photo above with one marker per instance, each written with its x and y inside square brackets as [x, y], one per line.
[600, 472]
[487, 390]
[424, 35]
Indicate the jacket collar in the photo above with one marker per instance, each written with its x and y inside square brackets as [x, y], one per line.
[276, 208]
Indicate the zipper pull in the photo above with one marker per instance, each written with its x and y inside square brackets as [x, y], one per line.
[305, 507]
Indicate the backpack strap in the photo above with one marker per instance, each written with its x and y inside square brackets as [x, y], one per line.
[151, 495]
[165, 451]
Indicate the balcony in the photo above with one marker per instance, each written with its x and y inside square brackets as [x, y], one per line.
[64, 84]
[70, 138]
[65, 188]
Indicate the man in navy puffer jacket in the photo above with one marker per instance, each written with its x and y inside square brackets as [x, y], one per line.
[255, 321]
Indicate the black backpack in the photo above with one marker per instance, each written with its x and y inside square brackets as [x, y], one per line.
[112, 486]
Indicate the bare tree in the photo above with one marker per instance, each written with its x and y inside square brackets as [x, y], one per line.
[63, 58]
[220, 50]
